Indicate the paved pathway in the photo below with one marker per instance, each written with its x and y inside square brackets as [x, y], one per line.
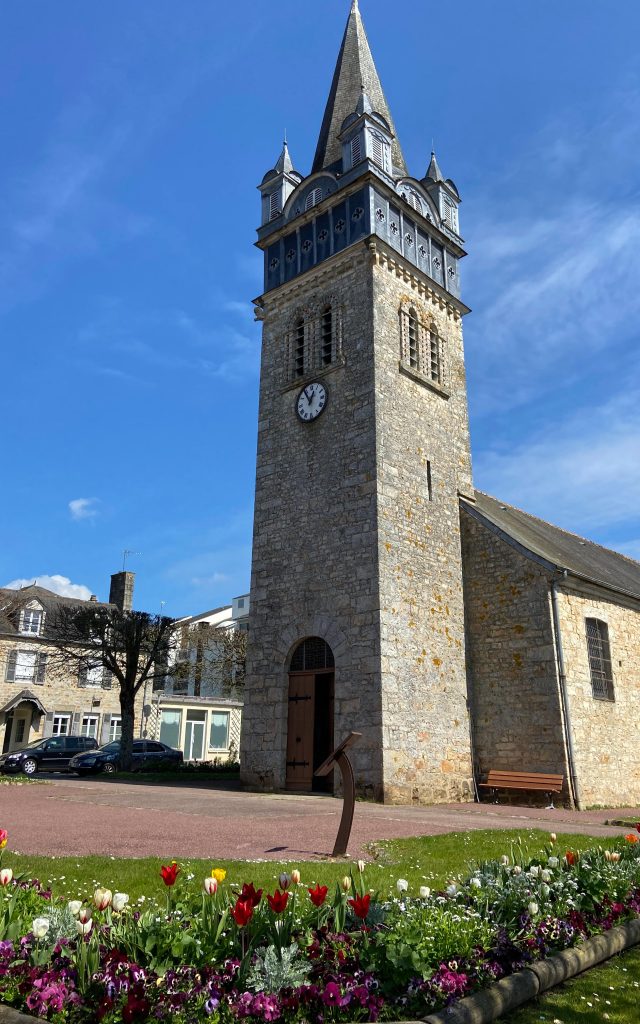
[102, 816]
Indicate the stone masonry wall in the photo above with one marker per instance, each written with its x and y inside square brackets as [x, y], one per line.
[605, 733]
[423, 445]
[314, 569]
[511, 654]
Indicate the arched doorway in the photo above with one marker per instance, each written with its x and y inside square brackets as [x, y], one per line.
[310, 719]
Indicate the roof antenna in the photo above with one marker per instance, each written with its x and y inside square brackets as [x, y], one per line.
[125, 554]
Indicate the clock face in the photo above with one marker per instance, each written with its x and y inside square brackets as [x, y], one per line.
[311, 401]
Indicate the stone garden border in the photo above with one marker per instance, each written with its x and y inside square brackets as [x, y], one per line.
[507, 994]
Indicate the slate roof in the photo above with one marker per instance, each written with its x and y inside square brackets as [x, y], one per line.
[355, 69]
[560, 549]
[11, 600]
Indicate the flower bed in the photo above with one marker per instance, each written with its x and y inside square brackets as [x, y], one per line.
[302, 953]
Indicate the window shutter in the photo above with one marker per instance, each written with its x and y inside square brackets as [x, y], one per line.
[41, 667]
[75, 723]
[356, 151]
[104, 732]
[274, 205]
[106, 679]
[11, 666]
[48, 724]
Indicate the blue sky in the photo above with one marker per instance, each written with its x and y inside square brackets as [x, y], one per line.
[134, 136]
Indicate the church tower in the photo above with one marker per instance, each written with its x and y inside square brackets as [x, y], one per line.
[356, 618]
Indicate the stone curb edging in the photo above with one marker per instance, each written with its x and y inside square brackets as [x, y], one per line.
[507, 994]
[511, 992]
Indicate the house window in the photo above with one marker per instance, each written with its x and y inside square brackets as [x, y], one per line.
[219, 734]
[274, 205]
[241, 602]
[326, 337]
[26, 667]
[420, 347]
[599, 653]
[356, 151]
[31, 621]
[61, 725]
[170, 722]
[313, 198]
[89, 726]
[115, 728]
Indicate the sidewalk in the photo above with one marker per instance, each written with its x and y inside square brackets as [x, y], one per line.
[78, 816]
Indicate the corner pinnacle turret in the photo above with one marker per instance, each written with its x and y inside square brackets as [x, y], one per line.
[355, 72]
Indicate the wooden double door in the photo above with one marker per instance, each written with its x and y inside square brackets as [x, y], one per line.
[310, 729]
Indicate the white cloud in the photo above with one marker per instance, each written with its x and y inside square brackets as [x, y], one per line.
[57, 584]
[83, 508]
[580, 473]
[207, 581]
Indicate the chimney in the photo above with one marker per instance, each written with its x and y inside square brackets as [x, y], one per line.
[121, 590]
[94, 599]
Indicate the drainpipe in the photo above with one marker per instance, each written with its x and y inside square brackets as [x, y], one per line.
[564, 697]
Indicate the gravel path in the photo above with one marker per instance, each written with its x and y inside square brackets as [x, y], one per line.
[133, 819]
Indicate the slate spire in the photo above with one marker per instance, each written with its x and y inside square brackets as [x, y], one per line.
[433, 170]
[284, 164]
[355, 72]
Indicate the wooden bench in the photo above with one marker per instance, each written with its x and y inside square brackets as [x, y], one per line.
[535, 782]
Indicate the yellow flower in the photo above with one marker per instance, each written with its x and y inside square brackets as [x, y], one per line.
[219, 874]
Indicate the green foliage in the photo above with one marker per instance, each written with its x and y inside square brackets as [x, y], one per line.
[278, 968]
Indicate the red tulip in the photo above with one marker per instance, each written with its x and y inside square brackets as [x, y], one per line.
[169, 873]
[278, 901]
[631, 838]
[318, 895]
[360, 905]
[242, 912]
[4, 835]
[250, 894]
[638, 827]
[570, 857]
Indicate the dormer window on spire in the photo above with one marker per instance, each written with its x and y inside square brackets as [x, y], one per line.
[379, 149]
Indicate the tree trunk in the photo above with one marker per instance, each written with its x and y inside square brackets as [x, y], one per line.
[127, 708]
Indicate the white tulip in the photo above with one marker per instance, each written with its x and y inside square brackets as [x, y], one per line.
[84, 929]
[119, 901]
[40, 926]
[425, 892]
[534, 871]
[5, 876]
[402, 885]
[553, 862]
[75, 906]
[475, 883]
[360, 866]
[533, 908]
[84, 914]
[452, 889]
[545, 875]
[296, 876]
[211, 886]
[545, 890]
[102, 898]
[517, 870]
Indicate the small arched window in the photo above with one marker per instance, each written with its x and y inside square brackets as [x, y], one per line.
[313, 198]
[412, 338]
[413, 199]
[599, 652]
[312, 655]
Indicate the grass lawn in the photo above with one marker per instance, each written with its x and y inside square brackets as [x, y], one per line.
[430, 860]
[610, 992]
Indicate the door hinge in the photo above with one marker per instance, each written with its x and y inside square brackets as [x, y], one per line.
[297, 764]
[308, 697]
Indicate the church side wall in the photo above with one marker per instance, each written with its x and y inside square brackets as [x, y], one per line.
[422, 439]
[314, 569]
[605, 733]
[511, 652]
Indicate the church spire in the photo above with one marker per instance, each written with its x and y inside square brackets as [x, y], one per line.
[355, 72]
[433, 170]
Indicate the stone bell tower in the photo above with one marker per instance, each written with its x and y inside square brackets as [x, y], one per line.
[363, 451]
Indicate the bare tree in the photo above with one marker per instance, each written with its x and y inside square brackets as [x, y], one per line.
[218, 662]
[132, 646]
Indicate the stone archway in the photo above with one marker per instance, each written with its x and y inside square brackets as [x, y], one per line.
[310, 729]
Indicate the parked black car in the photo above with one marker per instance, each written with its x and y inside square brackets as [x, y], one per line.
[52, 755]
[147, 755]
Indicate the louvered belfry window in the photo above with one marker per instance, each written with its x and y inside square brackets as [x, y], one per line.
[299, 349]
[326, 339]
[356, 151]
[599, 659]
[274, 205]
[421, 347]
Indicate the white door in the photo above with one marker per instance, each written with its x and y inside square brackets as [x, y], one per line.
[21, 728]
[194, 736]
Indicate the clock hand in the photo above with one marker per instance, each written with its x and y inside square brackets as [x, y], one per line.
[309, 399]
